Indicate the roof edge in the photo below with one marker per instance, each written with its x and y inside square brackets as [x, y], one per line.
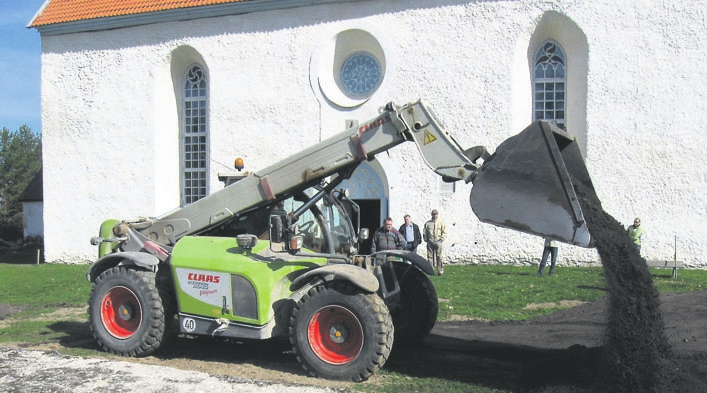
[209, 11]
[36, 14]
[34, 192]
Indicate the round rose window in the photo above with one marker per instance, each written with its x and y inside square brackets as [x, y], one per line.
[361, 74]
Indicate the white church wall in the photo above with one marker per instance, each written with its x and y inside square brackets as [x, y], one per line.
[110, 115]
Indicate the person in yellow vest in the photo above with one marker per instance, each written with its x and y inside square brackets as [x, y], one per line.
[635, 232]
[434, 234]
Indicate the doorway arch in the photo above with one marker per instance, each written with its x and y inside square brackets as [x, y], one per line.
[368, 187]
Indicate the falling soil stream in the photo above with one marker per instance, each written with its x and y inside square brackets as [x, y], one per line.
[635, 343]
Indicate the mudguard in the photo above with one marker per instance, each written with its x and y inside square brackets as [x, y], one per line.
[135, 258]
[360, 277]
[416, 260]
[105, 232]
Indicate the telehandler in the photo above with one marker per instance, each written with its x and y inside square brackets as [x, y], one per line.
[275, 255]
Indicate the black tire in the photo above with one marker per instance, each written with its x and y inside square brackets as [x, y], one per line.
[165, 287]
[125, 312]
[338, 332]
[415, 311]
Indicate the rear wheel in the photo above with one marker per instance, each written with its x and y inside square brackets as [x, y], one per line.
[338, 332]
[415, 311]
[126, 315]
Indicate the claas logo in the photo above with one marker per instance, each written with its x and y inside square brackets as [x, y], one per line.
[204, 278]
[375, 124]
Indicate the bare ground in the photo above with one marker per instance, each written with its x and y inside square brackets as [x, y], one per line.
[561, 352]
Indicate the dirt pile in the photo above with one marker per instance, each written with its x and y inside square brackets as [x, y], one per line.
[635, 343]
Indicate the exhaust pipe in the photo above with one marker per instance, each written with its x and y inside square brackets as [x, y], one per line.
[527, 185]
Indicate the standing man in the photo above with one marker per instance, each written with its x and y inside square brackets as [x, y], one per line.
[635, 232]
[434, 235]
[411, 233]
[387, 237]
[550, 248]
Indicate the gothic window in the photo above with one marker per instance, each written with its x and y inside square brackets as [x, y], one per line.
[194, 136]
[549, 82]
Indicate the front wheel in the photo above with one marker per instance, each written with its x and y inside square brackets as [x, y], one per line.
[415, 311]
[125, 310]
[338, 332]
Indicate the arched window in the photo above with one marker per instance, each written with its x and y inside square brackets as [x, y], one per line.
[549, 82]
[194, 136]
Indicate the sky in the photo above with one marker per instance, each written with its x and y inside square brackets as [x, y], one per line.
[20, 64]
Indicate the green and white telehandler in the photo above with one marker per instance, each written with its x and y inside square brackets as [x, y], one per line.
[275, 254]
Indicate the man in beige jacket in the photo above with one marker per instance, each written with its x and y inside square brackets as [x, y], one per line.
[434, 234]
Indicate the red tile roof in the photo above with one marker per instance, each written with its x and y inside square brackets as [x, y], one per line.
[60, 11]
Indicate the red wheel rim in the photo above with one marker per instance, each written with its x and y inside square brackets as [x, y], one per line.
[335, 335]
[121, 312]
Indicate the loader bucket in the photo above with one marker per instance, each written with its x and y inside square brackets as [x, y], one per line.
[527, 185]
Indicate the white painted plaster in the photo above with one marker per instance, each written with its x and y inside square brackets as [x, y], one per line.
[110, 115]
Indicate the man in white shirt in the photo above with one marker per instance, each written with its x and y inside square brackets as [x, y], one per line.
[411, 233]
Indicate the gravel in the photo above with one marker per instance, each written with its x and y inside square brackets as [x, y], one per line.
[37, 371]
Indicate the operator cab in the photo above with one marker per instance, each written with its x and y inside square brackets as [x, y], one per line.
[311, 221]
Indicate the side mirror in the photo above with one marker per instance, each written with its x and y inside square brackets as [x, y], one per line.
[276, 229]
[282, 238]
[363, 234]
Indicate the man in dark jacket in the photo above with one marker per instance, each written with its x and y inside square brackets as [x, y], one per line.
[411, 233]
[387, 237]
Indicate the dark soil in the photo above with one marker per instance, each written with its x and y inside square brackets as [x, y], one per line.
[566, 351]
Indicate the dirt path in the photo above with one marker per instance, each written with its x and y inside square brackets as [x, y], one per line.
[555, 353]
[562, 352]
